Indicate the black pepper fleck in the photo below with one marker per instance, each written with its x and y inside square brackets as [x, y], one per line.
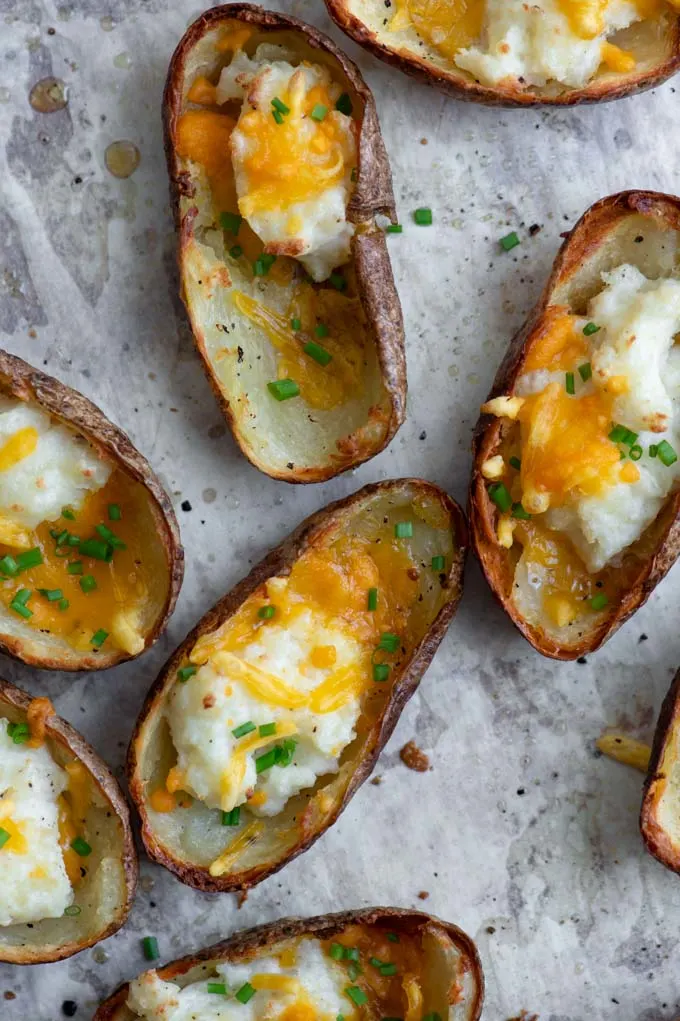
[69, 1008]
[186, 506]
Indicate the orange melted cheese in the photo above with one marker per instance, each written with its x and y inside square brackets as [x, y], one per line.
[74, 804]
[121, 584]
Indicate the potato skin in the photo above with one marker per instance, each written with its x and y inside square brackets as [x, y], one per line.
[245, 944]
[278, 562]
[20, 380]
[372, 195]
[61, 733]
[592, 230]
[658, 841]
[459, 87]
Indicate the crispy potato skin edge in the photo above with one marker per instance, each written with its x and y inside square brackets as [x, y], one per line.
[62, 733]
[657, 840]
[323, 927]
[19, 379]
[372, 195]
[462, 88]
[583, 240]
[280, 561]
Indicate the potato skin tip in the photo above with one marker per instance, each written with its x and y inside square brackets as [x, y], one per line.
[660, 843]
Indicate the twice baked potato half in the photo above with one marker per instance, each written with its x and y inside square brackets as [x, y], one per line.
[513, 53]
[277, 173]
[90, 557]
[274, 710]
[375, 962]
[660, 814]
[67, 856]
[574, 495]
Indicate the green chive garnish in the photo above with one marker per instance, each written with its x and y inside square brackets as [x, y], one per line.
[115, 513]
[245, 993]
[635, 452]
[338, 281]
[231, 222]
[98, 638]
[344, 104]
[394, 228]
[263, 264]
[31, 558]
[296, 324]
[266, 612]
[232, 818]
[218, 988]
[150, 948]
[499, 494]
[666, 453]
[279, 105]
[392, 937]
[389, 642]
[9, 566]
[283, 389]
[422, 216]
[81, 847]
[434, 1016]
[509, 242]
[75, 567]
[185, 672]
[403, 529]
[356, 995]
[519, 512]
[72, 910]
[585, 371]
[599, 601]
[267, 729]
[352, 953]
[108, 535]
[569, 384]
[278, 116]
[353, 971]
[321, 330]
[19, 732]
[337, 951]
[590, 328]
[515, 463]
[67, 513]
[318, 353]
[236, 251]
[285, 751]
[64, 604]
[388, 969]
[266, 761]
[653, 449]
[319, 112]
[244, 728]
[18, 604]
[52, 595]
[4, 837]
[438, 563]
[88, 583]
[96, 549]
[373, 599]
[620, 434]
[381, 672]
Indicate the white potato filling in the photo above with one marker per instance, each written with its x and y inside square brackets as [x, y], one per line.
[534, 43]
[638, 320]
[33, 879]
[60, 471]
[317, 224]
[204, 711]
[315, 980]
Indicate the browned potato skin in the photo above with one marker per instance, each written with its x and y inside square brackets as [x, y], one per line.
[372, 195]
[279, 562]
[588, 234]
[62, 734]
[659, 841]
[245, 945]
[20, 380]
[459, 86]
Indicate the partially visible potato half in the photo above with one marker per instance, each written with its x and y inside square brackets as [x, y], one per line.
[95, 835]
[90, 556]
[660, 815]
[430, 969]
[257, 317]
[562, 608]
[310, 661]
[423, 38]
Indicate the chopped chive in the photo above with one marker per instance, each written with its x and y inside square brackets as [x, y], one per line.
[185, 672]
[509, 242]
[515, 463]
[115, 513]
[72, 910]
[599, 601]
[266, 612]
[653, 449]
[321, 330]
[388, 969]
[438, 563]
[73, 540]
[344, 104]
[499, 494]
[53, 595]
[279, 105]
[337, 951]
[376, 962]
[231, 222]
[31, 558]
[422, 216]
[218, 988]
[62, 537]
[67, 513]
[75, 567]
[96, 549]
[4, 837]
[278, 116]
[372, 599]
[338, 281]
[109, 536]
[635, 452]
[236, 251]
[319, 111]
[569, 384]
[18, 604]
[19, 732]
[318, 353]
[394, 228]
[99, 637]
[590, 328]
[263, 264]
[81, 847]
[296, 324]
[244, 728]
[392, 937]
[352, 953]
[232, 818]
[64, 605]
[283, 389]
[356, 995]
[285, 752]
[666, 453]
[150, 948]
[267, 729]
[585, 371]
[620, 434]
[340, 1017]
[88, 583]
[519, 512]
[403, 529]
[381, 672]
[389, 642]
[434, 1016]
[245, 993]
[9, 566]
[353, 971]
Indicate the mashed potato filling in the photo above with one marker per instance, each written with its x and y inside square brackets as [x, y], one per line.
[34, 882]
[300, 984]
[293, 155]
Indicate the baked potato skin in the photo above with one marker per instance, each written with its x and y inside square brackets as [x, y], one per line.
[20, 380]
[62, 734]
[279, 562]
[591, 231]
[658, 841]
[464, 88]
[245, 944]
[372, 195]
